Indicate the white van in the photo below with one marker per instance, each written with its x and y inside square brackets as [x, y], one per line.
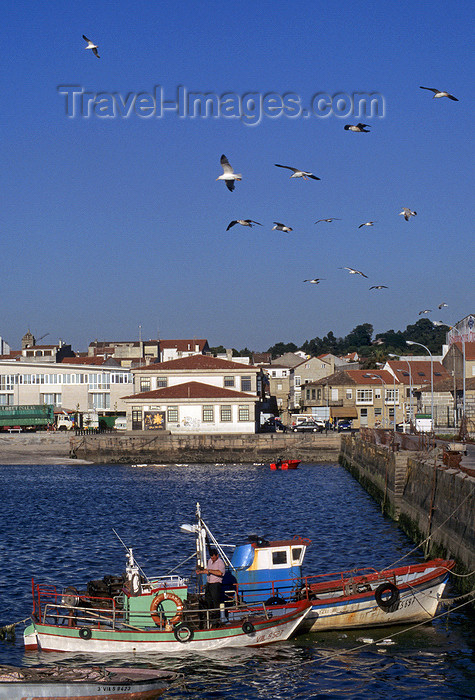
[120, 423]
[64, 422]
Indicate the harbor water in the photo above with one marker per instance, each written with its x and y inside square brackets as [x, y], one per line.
[57, 522]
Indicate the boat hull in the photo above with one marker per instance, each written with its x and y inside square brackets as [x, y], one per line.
[57, 638]
[415, 604]
[113, 684]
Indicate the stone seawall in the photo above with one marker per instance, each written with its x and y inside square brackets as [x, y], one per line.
[427, 499]
[164, 448]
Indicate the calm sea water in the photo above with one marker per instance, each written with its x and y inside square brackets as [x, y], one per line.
[56, 525]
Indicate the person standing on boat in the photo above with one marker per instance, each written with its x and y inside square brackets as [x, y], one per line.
[215, 570]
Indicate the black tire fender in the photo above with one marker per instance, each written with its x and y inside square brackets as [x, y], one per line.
[248, 627]
[381, 597]
[85, 633]
[183, 633]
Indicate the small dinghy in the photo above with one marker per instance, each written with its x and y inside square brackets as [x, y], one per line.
[285, 464]
[92, 682]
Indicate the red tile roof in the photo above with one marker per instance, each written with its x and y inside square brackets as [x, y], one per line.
[366, 376]
[420, 371]
[184, 345]
[198, 362]
[192, 390]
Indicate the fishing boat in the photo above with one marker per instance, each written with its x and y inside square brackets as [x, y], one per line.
[365, 597]
[133, 613]
[285, 464]
[87, 682]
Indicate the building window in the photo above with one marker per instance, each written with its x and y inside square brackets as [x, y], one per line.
[243, 413]
[297, 381]
[364, 413]
[208, 414]
[313, 393]
[51, 399]
[349, 394]
[100, 402]
[162, 382]
[319, 394]
[6, 399]
[246, 384]
[364, 396]
[377, 411]
[392, 396]
[226, 414]
[307, 394]
[228, 381]
[377, 393]
[279, 387]
[144, 383]
[172, 414]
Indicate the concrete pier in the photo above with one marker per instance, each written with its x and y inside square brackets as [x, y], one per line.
[432, 503]
[164, 448]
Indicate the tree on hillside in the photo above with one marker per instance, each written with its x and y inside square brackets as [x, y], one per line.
[281, 348]
[423, 331]
[358, 337]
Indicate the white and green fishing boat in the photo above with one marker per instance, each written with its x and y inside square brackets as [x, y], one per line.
[133, 613]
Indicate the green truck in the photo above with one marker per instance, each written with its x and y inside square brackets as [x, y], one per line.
[33, 417]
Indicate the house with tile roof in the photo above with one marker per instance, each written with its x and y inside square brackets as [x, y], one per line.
[370, 398]
[193, 407]
[413, 374]
[454, 359]
[449, 402]
[213, 383]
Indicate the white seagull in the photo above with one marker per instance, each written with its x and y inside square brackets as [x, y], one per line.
[441, 306]
[298, 173]
[91, 45]
[367, 223]
[407, 213]
[317, 280]
[243, 222]
[327, 220]
[426, 311]
[229, 176]
[439, 323]
[353, 272]
[360, 128]
[439, 93]
[379, 286]
[281, 227]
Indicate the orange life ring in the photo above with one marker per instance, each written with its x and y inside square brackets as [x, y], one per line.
[158, 600]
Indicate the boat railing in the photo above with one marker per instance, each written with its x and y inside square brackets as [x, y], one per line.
[345, 582]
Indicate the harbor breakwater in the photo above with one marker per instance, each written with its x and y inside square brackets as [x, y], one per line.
[432, 503]
[164, 448]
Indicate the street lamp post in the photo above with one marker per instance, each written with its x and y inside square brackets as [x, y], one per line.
[412, 342]
[410, 383]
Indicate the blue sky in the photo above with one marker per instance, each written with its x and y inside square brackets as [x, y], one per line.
[109, 224]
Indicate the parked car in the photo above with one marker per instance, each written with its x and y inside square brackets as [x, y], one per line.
[344, 426]
[120, 423]
[403, 427]
[273, 425]
[308, 426]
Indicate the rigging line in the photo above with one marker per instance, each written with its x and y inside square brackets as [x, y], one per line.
[375, 641]
[181, 564]
[391, 566]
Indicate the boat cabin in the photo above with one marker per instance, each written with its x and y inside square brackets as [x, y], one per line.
[264, 568]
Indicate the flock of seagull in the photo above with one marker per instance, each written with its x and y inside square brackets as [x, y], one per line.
[230, 178]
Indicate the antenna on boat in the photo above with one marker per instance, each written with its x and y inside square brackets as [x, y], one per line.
[133, 567]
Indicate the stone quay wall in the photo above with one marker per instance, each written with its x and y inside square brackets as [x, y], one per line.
[164, 448]
[426, 498]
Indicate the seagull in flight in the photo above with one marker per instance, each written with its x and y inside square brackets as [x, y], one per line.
[426, 311]
[441, 306]
[439, 93]
[91, 45]
[281, 227]
[439, 323]
[229, 176]
[298, 173]
[327, 220]
[243, 222]
[317, 280]
[353, 272]
[407, 213]
[357, 127]
[379, 286]
[367, 223]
